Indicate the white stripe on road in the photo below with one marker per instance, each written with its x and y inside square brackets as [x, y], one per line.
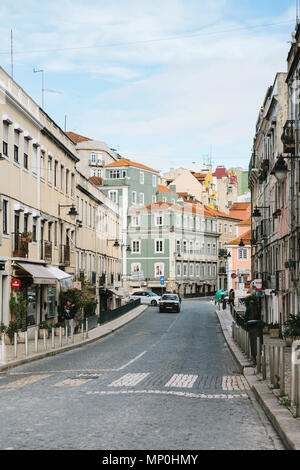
[165, 392]
[234, 383]
[72, 382]
[128, 380]
[182, 381]
[25, 381]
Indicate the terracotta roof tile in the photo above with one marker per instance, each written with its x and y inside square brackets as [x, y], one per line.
[126, 162]
[96, 180]
[246, 237]
[163, 189]
[76, 138]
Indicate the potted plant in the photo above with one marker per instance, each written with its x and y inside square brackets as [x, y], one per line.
[265, 328]
[44, 326]
[291, 330]
[19, 310]
[26, 236]
[274, 330]
[57, 328]
[10, 332]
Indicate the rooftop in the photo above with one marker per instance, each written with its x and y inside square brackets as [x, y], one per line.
[246, 237]
[126, 162]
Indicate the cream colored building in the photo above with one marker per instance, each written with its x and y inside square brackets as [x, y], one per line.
[38, 197]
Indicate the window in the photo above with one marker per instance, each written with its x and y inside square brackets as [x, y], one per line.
[153, 199]
[184, 246]
[34, 229]
[214, 249]
[136, 220]
[159, 269]
[61, 177]
[197, 269]
[243, 254]
[25, 155]
[178, 269]
[93, 157]
[133, 197]
[93, 173]
[113, 196]
[154, 181]
[198, 224]
[136, 246]
[55, 173]
[225, 228]
[26, 221]
[178, 220]
[159, 220]
[5, 217]
[34, 159]
[142, 177]
[135, 268]
[191, 223]
[42, 164]
[67, 181]
[99, 173]
[178, 246]
[159, 246]
[185, 221]
[49, 170]
[185, 269]
[16, 146]
[5, 138]
[208, 248]
[191, 270]
[141, 199]
[191, 247]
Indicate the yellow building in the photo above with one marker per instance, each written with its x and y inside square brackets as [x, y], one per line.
[39, 192]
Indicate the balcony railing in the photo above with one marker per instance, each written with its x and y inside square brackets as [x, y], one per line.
[64, 258]
[92, 277]
[289, 137]
[46, 251]
[20, 246]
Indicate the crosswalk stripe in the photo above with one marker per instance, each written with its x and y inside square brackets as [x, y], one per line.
[72, 382]
[25, 381]
[182, 381]
[129, 380]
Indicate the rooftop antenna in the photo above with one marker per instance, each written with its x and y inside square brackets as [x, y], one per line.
[43, 89]
[12, 53]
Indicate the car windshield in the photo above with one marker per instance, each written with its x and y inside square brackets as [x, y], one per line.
[152, 294]
[169, 297]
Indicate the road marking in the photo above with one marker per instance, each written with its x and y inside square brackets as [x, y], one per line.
[237, 382]
[165, 392]
[80, 379]
[128, 380]
[182, 381]
[25, 381]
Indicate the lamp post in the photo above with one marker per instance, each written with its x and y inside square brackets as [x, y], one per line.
[72, 212]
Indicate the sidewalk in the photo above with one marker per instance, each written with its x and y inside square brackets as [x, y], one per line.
[78, 341]
[280, 415]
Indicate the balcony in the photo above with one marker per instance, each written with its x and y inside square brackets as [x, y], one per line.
[289, 137]
[64, 255]
[46, 251]
[222, 270]
[20, 246]
[92, 277]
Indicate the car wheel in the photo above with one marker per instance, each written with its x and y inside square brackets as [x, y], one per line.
[153, 303]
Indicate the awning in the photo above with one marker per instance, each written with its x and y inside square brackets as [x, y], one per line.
[40, 274]
[65, 279]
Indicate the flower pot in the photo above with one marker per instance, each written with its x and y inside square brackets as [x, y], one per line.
[57, 331]
[8, 342]
[265, 330]
[274, 333]
[21, 337]
[41, 334]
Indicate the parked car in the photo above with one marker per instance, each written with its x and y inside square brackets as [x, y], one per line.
[149, 298]
[169, 303]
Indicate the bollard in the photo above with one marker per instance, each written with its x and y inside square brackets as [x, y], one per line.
[276, 368]
[36, 341]
[232, 330]
[297, 390]
[72, 336]
[271, 364]
[264, 363]
[60, 336]
[53, 338]
[3, 349]
[15, 345]
[258, 356]
[82, 330]
[26, 343]
[282, 371]
[67, 334]
[87, 328]
[45, 344]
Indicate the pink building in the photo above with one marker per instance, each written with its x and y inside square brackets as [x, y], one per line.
[239, 264]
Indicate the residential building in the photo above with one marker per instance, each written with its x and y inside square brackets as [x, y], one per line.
[242, 179]
[239, 261]
[93, 155]
[270, 201]
[178, 242]
[40, 190]
[241, 210]
[226, 189]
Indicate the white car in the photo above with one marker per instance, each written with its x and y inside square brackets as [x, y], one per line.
[148, 298]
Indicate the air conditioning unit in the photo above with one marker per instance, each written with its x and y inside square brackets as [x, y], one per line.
[99, 163]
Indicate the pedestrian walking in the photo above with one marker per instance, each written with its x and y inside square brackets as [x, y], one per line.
[69, 314]
[253, 325]
[231, 297]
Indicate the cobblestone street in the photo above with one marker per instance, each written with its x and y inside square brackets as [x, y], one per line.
[164, 381]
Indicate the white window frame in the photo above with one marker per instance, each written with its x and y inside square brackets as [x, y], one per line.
[161, 267]
[134, 245]
[114, 193]
[159, 220]
[241, 254]
[142, 177]
[161, 242]
[141, 199]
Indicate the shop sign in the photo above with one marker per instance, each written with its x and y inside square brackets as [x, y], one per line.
[15, 284]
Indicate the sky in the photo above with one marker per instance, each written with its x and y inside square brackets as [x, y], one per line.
[165, 83]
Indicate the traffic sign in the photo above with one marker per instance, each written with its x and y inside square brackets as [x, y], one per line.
[233, 276]
[162, 280]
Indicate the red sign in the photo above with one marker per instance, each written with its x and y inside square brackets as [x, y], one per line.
[15, 284]
[233, 276]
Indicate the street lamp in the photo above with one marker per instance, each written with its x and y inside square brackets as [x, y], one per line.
[280, 169]
[241, 244]
[257, 213]
[72, 212]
